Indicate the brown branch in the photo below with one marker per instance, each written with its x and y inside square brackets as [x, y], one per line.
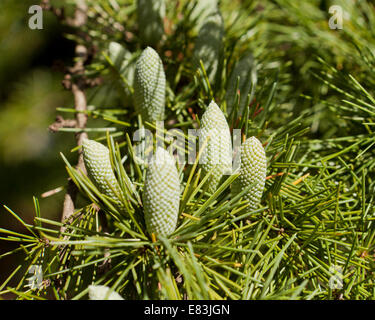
[51, 192]
[62, 123]
[80, 105]
[75, 82]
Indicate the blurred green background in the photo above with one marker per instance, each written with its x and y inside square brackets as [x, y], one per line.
[30, 91]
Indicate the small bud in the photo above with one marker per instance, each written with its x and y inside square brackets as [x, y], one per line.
[99, 170]
[218, 151]
[161, 196]
[149, 86]
[102, 293]
[252, 171]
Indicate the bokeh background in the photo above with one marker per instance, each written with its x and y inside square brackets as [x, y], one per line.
[30, 92]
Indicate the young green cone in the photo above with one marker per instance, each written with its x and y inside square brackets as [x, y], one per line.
[253, 168]
[149, 86]
[218, 151]
[245, 68]
[120, 58]
[150, 14]
[124, 64]
[202, 10]
[102, 293]
[161, 196]
[99, 170]
[209, 46]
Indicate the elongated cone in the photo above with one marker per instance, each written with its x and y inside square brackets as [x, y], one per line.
[161, 197]
[253, 168]
[149, 86]
[101, 293]
[245, 68]
[99, 170]
[150, 14]
[125, 66]
[121, 58]
[209, 47]
[202, 10]
[218, 151]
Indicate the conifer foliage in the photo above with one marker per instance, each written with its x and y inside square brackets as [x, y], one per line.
[295, 219]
